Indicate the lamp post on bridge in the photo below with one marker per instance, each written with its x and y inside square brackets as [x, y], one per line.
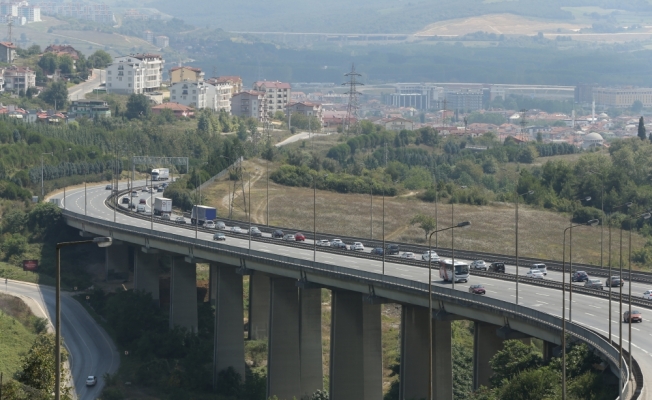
[314, 216]
[628, 204]
[570, 263]
[518, 196]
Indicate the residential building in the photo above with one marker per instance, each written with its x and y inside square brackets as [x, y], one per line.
[162, 41]
[180, 74]
[89, 108]
[234, 81]
[179, 110]
[7, 52]
[89, 11]
[136, 73]
[415, 100]
[61, 50]
[396, 124]
[189, 93]
[218, 96]
[622, 97]
[10, 9]
[464, 100]
[306, 108]
[248, 104]
[277, 93]
[19, 78]
[149, 36]
[30, 13]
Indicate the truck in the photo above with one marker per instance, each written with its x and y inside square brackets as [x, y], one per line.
[202, 214]
[160, 174]
[162, 206]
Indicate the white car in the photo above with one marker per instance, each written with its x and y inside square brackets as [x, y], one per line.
[357, 246]
[541, 267]
[289, 237]
[338, 241]
[408, 254]
[91, 381]
[324, 242]
[427, 255]
[647, 295]
[236, 229]
[209, 225]
[479, 264]
[534, 274]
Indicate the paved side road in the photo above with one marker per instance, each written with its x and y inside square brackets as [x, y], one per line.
[79, 91]
[91, 350]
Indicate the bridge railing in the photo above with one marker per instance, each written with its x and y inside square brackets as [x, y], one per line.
[547, 321]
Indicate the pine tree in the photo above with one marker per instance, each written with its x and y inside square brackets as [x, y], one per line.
[641, 129]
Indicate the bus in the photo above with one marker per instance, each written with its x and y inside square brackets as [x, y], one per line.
[461, 270]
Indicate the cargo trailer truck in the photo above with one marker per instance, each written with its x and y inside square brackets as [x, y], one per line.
[162, 206]
[202, 214]
[160, 174]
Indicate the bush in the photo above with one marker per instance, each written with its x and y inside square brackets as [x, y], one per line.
[112, 393]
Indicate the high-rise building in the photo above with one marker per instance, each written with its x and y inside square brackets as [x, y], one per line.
[622, 97]
[277, 94]
[464, 100]
[137, 73]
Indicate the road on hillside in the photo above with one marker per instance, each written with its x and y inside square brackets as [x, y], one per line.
[299, 136]
[79, 91]
[91, 350]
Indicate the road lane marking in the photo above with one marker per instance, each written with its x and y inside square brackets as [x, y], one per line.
[589, 314]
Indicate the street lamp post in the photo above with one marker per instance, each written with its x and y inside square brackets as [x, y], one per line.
[563, 303]
[452, 228]
[314, 217]
[628, 204]
[570, 264]
[44, 154]
[518, 196]
[101, 242]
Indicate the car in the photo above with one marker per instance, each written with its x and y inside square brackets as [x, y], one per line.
[393, 249]
[430, 255]
[338, 244]
[497, 267]
[594, 283]
[180, 220]
[142, 201]
[479, 264]
[615, 281]
[108, 187]
[377, 251]
[125, 200]
[144, 189]
[220, 225]
[477, 289]
[636, 316]
[165, 217]
[159, 190]
[409, 255]
[299, 237]
[323, 242]
[140, 208]
[357, 246]
[289, 236]
[236, 229]
[209, 225]
[155, 187]
[164, 184]
[132, 205]
[219, 236]
[647, 295]
[254, 231]
[91, 380]
[541, 267]
[534, 274]
[277, 234]
[579, 276]
[134, 193]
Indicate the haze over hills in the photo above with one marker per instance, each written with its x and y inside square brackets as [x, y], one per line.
[382, 16]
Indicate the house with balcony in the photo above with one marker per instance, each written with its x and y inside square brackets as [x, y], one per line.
[135, 74]
[277, 95]
[247, 104]
[89, 108]
[307, 108]
[19, 78]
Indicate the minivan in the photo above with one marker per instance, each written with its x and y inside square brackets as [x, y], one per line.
[140, 208]
[497, 267]
[393, 249]
[541, 267]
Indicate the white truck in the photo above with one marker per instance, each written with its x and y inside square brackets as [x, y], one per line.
[160, 174]
[162, 206]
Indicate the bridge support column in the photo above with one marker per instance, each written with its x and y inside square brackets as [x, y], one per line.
[312, 372]
[283, 357]
[258, 306]
[414, 356]
[228, 343]
[183, 294]
[146, 273]
[485, 345]
[116, 260]
[356, 352]
[548, 350]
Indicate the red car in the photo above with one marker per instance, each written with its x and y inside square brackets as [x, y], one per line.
[299, 237]
[636, 316]
[477, 289]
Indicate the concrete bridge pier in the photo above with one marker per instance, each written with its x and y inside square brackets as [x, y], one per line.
[116, 259]
[228, 347]
[485, 345]
[414, 356]
[356, 352]
[183, 294]
[259, 298]
[310, 339]
[146, 270]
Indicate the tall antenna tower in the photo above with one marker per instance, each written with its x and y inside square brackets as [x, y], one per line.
[523, 122]
[10, 24]
[352, 109]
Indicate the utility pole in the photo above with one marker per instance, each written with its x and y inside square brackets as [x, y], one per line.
[352, 108]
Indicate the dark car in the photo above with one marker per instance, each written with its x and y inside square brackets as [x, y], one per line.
[377, 251]
[636, 316]
[615, 281]
[393, 249]
[125, 200]
[255, 231]
[497, 267]
[299, 237]
[477, 289]
[580, 276]
[278, 234]
[142, 201]
[132, 205]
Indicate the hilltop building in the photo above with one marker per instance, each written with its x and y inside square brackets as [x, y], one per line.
[89, 108]
[181, 74]
[136, 73]
[249, 103]
[278, 94]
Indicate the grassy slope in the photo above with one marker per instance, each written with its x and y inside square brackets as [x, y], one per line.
[16, 333]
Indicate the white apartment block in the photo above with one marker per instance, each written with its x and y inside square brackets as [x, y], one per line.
[137, 73]
[21, 9]
[277, 94]
[248, 104]
[220, 94]
[189, 93]
[19, 78]
[94, 12]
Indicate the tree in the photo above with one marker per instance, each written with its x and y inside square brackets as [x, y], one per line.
[56, 95]
[637, 106]
[641, 129]
[99, 59]
[48, 62]
[66, 64]
[138, 106]
[425, 222]
[38, 366]
[515, 357]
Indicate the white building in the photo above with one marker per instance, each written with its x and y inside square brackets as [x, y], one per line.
[219, 93]
[278, 94]
[593, 139]
[249, 103]
[137, 73]
[189, 93]
[19, 78]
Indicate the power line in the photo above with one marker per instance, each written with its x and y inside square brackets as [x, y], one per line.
[352, 109]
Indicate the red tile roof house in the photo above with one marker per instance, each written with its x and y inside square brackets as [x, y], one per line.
[179, 110]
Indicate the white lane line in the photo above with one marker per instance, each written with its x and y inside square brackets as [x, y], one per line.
[589, 314]
[542, 302]
[591, 305]
[541, 294]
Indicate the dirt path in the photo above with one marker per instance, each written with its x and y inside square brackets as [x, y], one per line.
[397, 233]
[225, 200]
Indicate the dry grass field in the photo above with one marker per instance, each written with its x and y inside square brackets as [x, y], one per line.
[491, 230]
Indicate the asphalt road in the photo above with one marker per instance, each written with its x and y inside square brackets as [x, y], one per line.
[79, 91]
[589, 311]
[91, 351]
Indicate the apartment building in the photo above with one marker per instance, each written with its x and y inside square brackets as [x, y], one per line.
[136, 73]
[189, 93]
[234, 81]
[248, 104]
[277, 93]
[181, 74]
[89, 11]
[19, 10]
[19, 78]
[7, 52]
[219, 96]
[622, 97]
[306, 108]
[464, 100]
[89, 108]
[162, 41]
